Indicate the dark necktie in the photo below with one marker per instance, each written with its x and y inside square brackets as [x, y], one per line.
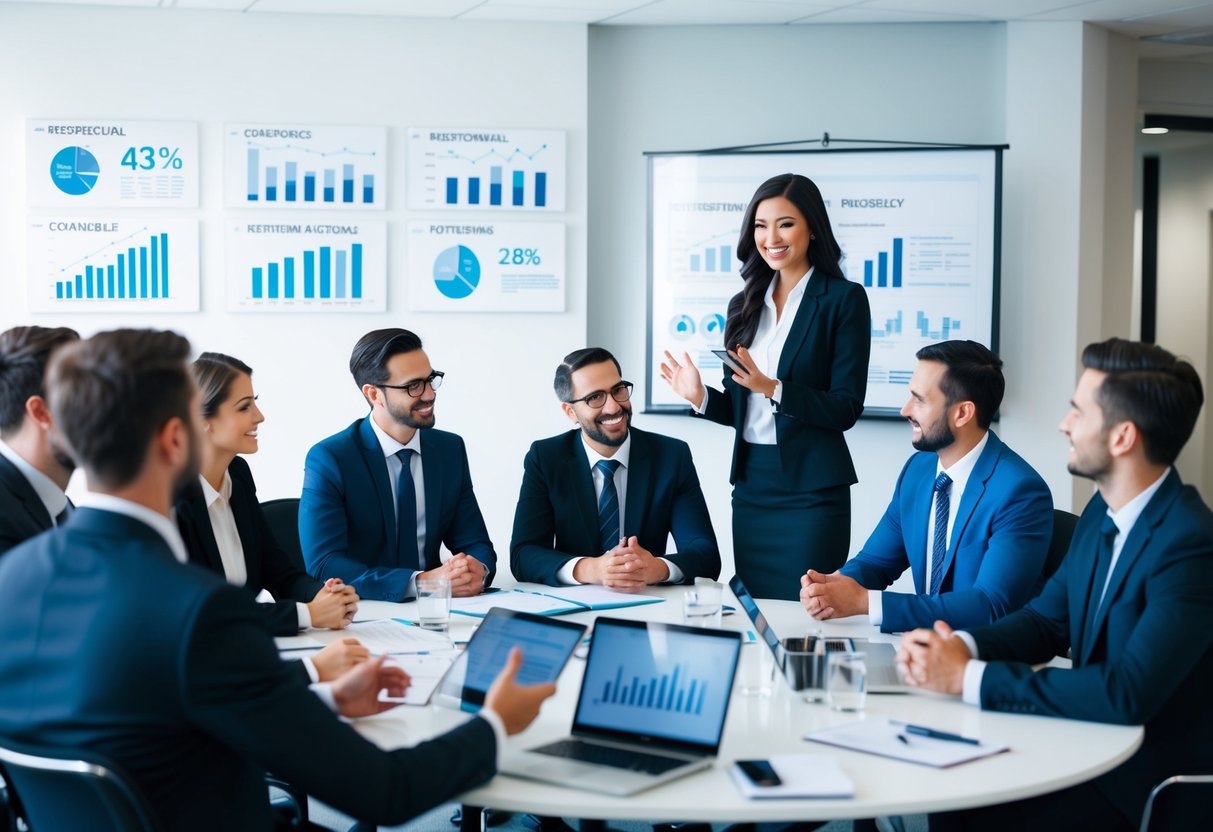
[406, 513]
[608, 505]
[62, 516]
[1107, 539]
[939, 545]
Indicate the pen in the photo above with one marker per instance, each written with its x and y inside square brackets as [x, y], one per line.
[923, 731]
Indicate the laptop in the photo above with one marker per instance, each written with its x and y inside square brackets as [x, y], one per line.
[546, 645]
[880, 658]
[651, 709]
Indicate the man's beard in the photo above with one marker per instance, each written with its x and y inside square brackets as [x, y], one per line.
[406, 417]
[939, 437]
[592, 430]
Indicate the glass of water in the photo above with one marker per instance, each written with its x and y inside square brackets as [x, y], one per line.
[701, 606]
[434, 604]
[846, 681]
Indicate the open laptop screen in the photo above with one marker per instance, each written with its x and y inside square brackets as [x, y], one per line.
[665, 683]
[757, 618]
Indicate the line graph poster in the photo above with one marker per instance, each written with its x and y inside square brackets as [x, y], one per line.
[917, 229]
[102, 163]
[493, 169]
[305, 166]
[112, 264]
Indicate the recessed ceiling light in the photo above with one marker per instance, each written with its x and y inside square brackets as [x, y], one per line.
[1155, 131]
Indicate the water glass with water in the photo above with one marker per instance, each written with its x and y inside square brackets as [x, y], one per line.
[701, 606]
[434, 604]
[846, 681]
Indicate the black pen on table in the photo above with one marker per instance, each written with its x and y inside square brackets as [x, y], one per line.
[923, 731]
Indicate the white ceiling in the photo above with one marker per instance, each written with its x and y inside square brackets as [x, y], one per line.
[1187, 25]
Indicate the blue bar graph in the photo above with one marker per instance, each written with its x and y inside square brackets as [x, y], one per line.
[882, 270]
[519, 181]
[714, 259]
[495, 185]
[138, 271]
[339, 269]
[309, 187]
[663, 693]
[541, 189]
[946, 329]
[347, 183]
[452, 190]
[892, 326]
[281, 183]
[291, 174]
[271, 184]
[881, 263]
[897, 262]
[330, 179]
[474, 190]
[368, 188]
[254, 172]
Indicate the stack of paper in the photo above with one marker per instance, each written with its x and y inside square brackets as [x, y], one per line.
[887, 738]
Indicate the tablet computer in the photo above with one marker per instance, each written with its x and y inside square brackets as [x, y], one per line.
[546, 645]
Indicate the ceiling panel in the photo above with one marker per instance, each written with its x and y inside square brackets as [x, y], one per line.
[391, 8]
[863, 14]
[547, 14]
[985, 9]
[715, 12]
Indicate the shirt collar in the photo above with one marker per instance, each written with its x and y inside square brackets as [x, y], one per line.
[622, 454]
[962, 468]
[390, 445]
[1130, 511]
[165, 527]
[210, 495]
[796, 292]
[48, 491]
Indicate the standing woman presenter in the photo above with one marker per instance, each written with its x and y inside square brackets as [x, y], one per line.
[803, 333]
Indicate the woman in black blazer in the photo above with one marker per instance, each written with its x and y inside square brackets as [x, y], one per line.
[222, 523]
[802, 333]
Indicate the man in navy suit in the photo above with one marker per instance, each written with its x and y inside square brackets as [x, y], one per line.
[598, 503]
[1132, 602]
[33, 471]
[382, 495]
[203, 707]
[969, 517]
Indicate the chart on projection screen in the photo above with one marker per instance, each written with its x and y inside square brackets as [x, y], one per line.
[917, 230]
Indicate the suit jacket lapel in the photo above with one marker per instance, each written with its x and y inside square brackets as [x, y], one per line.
[199, 519]
[579, 485]
[432, 471]
[802, 322]
[244, 528]
[376, 466]
[24, 492]
[974, 490]
[921, 494]
[640, 484]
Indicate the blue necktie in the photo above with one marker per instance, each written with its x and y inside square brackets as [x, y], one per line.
[1107, 538]
[939, 546]
[608, 506]
[406, 513]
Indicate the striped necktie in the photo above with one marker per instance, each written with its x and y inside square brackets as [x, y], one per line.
[608, 505]
[939, 546]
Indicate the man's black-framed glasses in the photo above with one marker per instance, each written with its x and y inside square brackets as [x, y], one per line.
[417, 387]
[621, 392]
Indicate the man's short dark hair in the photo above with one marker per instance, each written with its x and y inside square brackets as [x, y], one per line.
[368, 361]
[24, 354]
[974, 374]
[574, 361]
[1151, 388]
[112, 393]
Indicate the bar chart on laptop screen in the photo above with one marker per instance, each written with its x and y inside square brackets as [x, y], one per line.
[292, 266]
[490, 169]
[305, 166]
[107, 264]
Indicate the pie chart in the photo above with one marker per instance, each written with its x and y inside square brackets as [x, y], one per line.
[74, 171]
[456, 272]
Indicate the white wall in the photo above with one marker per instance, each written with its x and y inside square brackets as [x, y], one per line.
[213, 67]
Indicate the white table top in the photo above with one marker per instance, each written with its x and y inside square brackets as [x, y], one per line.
[1046, 754]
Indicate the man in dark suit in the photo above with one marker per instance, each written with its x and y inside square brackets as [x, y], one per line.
[33, 472]
[1132, 602]
[599, 503]
[204, 706]
[969, 517]
[382, 495]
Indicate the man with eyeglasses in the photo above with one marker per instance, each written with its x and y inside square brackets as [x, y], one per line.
[382, 495]
[598, 503]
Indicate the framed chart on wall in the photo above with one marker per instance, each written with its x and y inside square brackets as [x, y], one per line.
[919, 228]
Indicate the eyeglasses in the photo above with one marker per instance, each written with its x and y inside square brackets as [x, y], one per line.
[621, 392]
[417, 387]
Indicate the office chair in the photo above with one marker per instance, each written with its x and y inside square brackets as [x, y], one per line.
[283, 518]
[55, 788]
[1063, 530]
[1180, 802]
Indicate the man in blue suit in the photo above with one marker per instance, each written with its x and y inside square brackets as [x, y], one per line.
[203, 707]
[382, 495]
[1132, 602]
[599, 503]
[969, 517]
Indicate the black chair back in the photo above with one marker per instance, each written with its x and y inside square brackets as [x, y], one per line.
[1063, 530]
[65, 789]
[283, 518]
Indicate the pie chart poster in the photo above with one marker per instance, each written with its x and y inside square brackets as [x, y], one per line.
[486, 266]
[99, 163]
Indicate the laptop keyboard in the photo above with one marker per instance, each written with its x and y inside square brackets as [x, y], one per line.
[614, 757]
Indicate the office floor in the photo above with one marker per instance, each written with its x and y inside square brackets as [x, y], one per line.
[438, 820]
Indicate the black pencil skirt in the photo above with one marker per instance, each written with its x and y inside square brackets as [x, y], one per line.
[781, 533]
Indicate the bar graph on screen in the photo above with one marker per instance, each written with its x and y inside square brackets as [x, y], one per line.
[95, 264]
[296, 267]
[281, 166]
[673, 692]
[493, 169]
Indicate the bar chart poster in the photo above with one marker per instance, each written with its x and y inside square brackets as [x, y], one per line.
[99, 163]
[305, 166]
[94, 264]
[288, 266]
[486, 267]
[917, 230]
[491, 169]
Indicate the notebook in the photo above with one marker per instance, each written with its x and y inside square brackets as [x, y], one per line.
[652, 707]
[880, 658]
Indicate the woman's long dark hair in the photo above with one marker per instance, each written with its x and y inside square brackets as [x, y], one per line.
[824, 253]
[214, 373]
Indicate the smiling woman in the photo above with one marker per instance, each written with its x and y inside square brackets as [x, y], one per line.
[802, 334]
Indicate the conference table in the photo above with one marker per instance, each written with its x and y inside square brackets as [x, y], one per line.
[1045, 753]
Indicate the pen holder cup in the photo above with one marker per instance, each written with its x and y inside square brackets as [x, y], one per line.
[804, 667]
